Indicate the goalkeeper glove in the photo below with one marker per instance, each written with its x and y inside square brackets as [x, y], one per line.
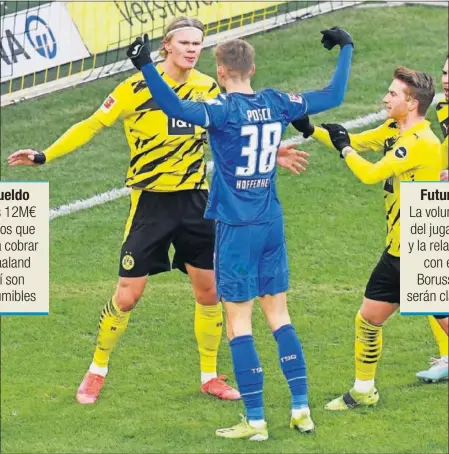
[339, 136]
[139, 52]
[335, 36]
[303, 125]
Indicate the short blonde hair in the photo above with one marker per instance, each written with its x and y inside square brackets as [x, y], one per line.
[237, 55]
[420, 86]
[179, 22]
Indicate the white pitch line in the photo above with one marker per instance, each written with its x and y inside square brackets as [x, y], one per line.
[117, 193]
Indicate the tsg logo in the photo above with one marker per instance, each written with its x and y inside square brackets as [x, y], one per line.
[40, 37]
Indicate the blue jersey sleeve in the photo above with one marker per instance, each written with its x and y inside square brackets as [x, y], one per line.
[215, 112]
[189, 111]
[333, 94]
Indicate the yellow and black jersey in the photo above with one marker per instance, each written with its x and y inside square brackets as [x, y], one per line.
[443, 119]
[413, 155]
[166, 154]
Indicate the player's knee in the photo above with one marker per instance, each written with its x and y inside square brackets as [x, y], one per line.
[126, 297]
[276, 314]
[369, 317]
[443, 321]
[237, 326]
[206, 295]
[229, 332]
[277, 320]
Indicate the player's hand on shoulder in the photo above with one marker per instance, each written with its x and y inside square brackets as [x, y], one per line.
[303, 125]
[338, 134]
[335, 36]
[140, 52]
[27, 157]
[292, 159]
[444, 175]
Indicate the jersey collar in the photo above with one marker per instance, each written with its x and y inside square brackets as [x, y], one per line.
[423, 124]
[169, 80]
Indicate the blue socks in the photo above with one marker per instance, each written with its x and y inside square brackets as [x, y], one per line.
[292, 362]
[249, 375]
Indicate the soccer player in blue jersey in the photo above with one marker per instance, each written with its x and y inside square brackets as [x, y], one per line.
[245, 129]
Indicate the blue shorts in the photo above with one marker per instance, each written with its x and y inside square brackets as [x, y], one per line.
[250, 260]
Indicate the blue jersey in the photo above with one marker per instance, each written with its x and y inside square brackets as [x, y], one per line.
[245, 132]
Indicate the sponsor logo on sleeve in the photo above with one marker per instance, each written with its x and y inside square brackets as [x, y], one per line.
[108, 104]
[294, 97]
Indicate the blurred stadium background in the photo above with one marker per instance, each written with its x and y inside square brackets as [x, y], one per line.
[335, 229]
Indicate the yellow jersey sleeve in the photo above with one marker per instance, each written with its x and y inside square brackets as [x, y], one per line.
[114, 105]
[371, 140]
[445, 154]
[321, 135]
[81, 133]
[78, 135]
[399, 160]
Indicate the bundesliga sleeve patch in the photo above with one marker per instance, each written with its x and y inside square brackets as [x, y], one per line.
[108, 104]
[400, 152]
[294, 97]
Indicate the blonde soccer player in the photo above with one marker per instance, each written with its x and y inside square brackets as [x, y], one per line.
[412, 152]
[169, 192]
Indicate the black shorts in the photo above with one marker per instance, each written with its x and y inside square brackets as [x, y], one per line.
[384, 283]
[159, 219]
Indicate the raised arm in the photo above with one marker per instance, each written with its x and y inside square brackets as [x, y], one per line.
[190, 111]
[333, 94]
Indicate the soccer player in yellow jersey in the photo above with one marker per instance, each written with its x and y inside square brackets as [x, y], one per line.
[439, 366]
[412, 152]
[373, 139]
[167, 175]
[443, 118]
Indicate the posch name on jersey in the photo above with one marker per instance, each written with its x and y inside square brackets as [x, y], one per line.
[258, 114]
[179, 128]
[252, 184]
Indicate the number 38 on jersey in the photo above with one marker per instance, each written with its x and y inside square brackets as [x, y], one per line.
[263, 143]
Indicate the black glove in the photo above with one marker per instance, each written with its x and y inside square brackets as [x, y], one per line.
[40, 158]
[139, 52]
[339, 136]
[303, 125]
[334, 36]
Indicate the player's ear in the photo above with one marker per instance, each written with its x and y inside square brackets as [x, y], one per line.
[253, 70]
[220, 71]
[412, 104]
[167, 46]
